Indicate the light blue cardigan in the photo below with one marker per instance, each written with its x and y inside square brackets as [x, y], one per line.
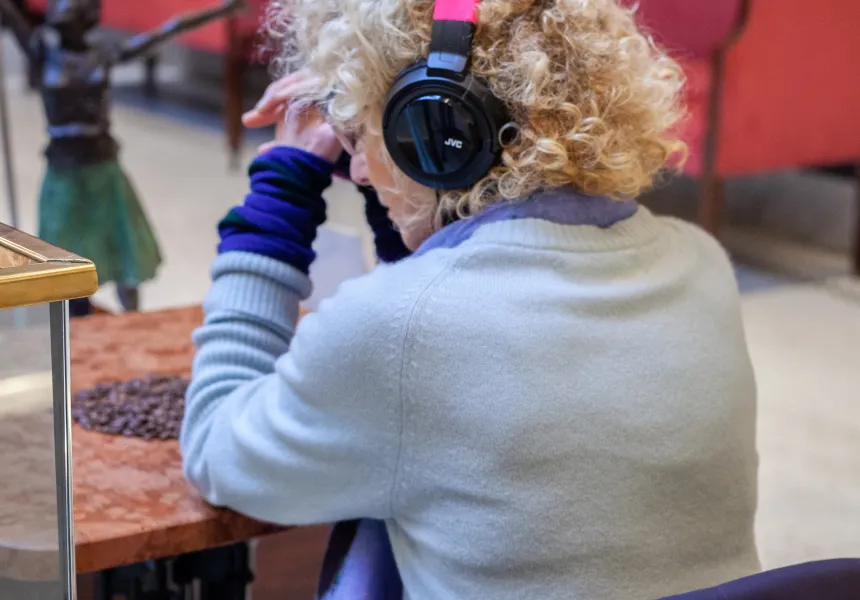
[544, 409]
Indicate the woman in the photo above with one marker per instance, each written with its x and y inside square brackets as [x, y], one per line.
[552, 397]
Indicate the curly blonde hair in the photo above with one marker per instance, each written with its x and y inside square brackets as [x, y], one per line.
[595, 100]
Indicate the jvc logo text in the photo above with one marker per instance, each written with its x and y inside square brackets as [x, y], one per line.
[458, 144]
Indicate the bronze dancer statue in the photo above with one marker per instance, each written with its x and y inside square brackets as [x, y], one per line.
[87, 204]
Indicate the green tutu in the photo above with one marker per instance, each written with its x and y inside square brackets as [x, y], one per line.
[93, 211]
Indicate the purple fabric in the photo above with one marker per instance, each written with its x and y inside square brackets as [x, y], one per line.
[359, 564]
[563, 206]
[342, 166]
[387, 240]
[824, 580]
[280, 215]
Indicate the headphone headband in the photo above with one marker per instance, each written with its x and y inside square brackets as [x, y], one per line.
[456, 10]
[454, 23]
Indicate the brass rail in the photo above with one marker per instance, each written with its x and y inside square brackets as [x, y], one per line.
[34, 272]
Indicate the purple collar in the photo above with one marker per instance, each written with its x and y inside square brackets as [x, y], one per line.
[563, 206]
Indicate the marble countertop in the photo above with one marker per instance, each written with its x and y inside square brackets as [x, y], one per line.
[131, 502]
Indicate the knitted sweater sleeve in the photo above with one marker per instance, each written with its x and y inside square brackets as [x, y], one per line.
[297, 425]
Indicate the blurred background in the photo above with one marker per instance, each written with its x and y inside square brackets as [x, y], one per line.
[774, 130]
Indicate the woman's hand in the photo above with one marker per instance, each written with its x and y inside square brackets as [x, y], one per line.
[305, 129]
[273, 104]
[298, 127]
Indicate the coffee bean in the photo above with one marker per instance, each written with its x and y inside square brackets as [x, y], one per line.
[150, 407]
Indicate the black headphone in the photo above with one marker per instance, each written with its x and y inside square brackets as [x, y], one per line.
[441, 125]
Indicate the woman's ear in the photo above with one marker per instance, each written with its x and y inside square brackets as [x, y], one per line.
[358, 169]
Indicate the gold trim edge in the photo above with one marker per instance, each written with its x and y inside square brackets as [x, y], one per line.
[32, 247]
[46, 282]
[54, 275]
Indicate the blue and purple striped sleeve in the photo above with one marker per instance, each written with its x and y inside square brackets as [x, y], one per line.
[280, 215]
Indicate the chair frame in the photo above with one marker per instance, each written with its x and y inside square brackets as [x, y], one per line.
[711, 183]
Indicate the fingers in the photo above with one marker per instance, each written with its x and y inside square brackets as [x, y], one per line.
[279, 133]
[301, 116]
[254, 118]
[271, 106]
[263, 148]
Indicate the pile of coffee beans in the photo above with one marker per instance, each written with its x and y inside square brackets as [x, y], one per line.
[150, 408]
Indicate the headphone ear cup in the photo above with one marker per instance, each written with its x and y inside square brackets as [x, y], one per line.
[408, 76]
[440, 131]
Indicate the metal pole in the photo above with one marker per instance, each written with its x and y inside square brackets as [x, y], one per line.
[62, 399]
[11, 194]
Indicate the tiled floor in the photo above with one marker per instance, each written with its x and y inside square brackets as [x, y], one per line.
[804, 339]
